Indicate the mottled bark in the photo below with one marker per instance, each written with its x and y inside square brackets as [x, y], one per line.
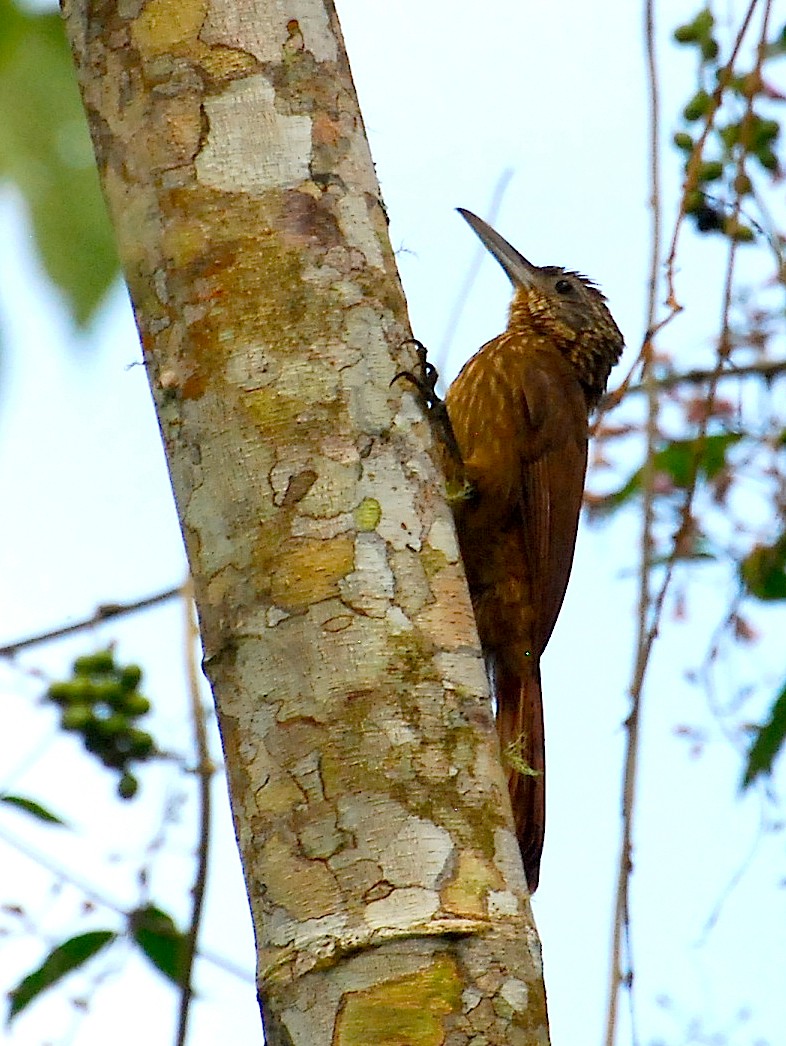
[370, 806]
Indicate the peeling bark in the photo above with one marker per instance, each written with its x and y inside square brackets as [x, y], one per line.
[370, 806]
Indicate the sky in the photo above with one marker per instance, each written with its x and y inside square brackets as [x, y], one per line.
[552, 98]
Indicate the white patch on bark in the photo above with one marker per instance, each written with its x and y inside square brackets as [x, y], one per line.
[462, 671]
[261, 28]
[369, 588]
[399, 732]
[508, 859]
[515, 993]
[398, 622]
[275, 615]
[286, 931]
[403, 908]
[384, 480]
[367, 380]
[305, 527]
[502, 903]
[410, 850]
[250, 146]
[358, 230]
[417, 854]
[442, 537]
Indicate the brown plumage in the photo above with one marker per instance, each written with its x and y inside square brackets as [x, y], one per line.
[519, 410]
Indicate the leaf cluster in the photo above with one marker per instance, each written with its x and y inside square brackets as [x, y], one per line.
[727, 132]
[149, 928]
[763, 573]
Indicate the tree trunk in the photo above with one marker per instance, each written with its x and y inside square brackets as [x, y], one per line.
[370, 806]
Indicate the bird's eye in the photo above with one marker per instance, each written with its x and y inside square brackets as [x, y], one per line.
[563, 287]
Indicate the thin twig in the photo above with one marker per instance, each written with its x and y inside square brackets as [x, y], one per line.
[621, 931]
[650, 611]
[205, 770]
[766, 369]
[103, 613]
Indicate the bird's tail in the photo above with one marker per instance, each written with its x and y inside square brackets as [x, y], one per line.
[521, 737]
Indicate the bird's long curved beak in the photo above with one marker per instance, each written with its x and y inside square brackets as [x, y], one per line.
[520, 272]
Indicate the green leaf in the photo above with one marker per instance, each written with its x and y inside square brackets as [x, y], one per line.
[767, 743]
[61, 960]
[677, 460]
[706, 456]
[33, 808]
[159, 938]
[606, 503]
[763, 571]
[45, 149]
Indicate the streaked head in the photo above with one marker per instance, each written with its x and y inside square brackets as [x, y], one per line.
[560, 305]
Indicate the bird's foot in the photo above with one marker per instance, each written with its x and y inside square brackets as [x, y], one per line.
[425, 381]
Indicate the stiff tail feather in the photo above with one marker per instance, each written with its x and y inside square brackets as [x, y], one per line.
[521, 737]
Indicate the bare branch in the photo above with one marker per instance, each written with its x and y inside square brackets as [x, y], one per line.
[621, 976]
[766, 369]
[205, 770]
[105, 612]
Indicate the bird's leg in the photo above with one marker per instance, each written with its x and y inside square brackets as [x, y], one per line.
[425, 381]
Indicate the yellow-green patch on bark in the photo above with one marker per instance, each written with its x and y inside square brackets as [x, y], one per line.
[368, 514]
[407, 1011]
[168, 26]
[311, 570]
[433, 561]
[467, 892]
[306, 889]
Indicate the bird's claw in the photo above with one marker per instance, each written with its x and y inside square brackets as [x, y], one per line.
[426, 384]
[426, 381]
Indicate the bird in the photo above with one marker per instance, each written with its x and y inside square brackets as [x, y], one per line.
[515, 424]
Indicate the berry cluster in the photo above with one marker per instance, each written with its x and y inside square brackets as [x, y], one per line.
[716, 186]
[102, 702]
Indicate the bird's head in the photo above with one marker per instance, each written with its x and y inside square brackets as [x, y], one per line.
[560, 305]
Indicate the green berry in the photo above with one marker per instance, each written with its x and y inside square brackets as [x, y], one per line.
[730, 135]
[106, 690]
[743, 185]
[710, 171]
[709, 48]
[683, 141]
[686, 34]
[127, 786]
[738, 231]
[767, 159]
[134, 705]
[113, 725]
[694, 201]
[703, 22]
[113, 757]
[698, 106]
[100, 663]
[76, 717]
[766, 131]
[65, 693]
[130, 677]
[141, 744]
